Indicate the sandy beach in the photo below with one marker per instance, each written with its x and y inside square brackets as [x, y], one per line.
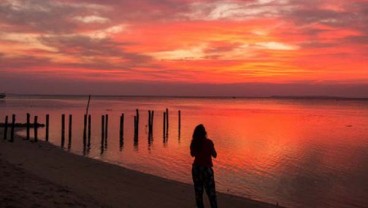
[43, 175]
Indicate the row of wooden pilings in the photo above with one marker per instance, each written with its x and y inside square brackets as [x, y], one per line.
[87, 128]
[28, 126]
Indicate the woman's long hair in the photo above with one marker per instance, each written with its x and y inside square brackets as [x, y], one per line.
[199, 135]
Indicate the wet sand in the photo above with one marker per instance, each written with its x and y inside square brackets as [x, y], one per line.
[43, 175]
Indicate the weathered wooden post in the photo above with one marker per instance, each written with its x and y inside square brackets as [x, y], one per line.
[149, 122]
[28, 125]
[35, 128]
[164, 124]
[102, 130]
[47, 127]
[179, 122]
[136, 131]
[89, 99]
[121, 129]
[12, 129]
[106, 125]
[84, 131]
[106, 128]
[89, 132]
[167, 121]
[70, 131]
[135, 126]
[137, 122]
[152, 116]
[6, 128]
[62, 130]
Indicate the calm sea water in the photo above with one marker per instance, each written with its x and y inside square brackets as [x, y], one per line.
[299, 153]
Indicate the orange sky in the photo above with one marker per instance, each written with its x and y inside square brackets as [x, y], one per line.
[183, 41]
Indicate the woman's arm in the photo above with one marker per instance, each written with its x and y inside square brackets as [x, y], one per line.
[213, 151]
[192, 153]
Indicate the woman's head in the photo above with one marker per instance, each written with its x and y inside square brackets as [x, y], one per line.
[199, 133]
[198, 137]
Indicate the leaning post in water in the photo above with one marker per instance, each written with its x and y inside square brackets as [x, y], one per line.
[6, 128]
[47, 127]
[12, 129]
[28, 125]
[87, 108]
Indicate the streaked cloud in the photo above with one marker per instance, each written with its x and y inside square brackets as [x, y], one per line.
[106, 32]
[230, 10]
[92, 19]
[277, 46]
[101, 52]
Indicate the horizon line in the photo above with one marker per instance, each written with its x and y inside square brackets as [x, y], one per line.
[199, 96]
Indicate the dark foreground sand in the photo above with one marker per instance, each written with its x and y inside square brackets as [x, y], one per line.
[42, 175]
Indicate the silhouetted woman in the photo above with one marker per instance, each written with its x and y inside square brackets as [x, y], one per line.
[203, 150]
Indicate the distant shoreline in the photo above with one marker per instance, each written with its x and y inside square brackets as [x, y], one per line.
[312, 97]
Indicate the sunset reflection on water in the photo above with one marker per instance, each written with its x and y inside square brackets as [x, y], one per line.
[299, 153]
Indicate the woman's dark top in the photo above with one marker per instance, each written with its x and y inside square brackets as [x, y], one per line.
[203, 155]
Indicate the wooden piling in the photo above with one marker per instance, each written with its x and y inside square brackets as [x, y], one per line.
[136, 131]
[70, 131]
[84, 131]
[106, 128]
[167, 121]
[150, 127]
[102, 130]
[6, 128]
[179, 122]
[135, 126]
[149, 122]
[106, 125]
[89, 132]
[47, 127]
[35, 123]
[89, 99]
[102, 133]
[137, 122]
[152, 116]
[164, 124]
[62, 130]
[12, 129]
[28, 125]
[121, 128]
